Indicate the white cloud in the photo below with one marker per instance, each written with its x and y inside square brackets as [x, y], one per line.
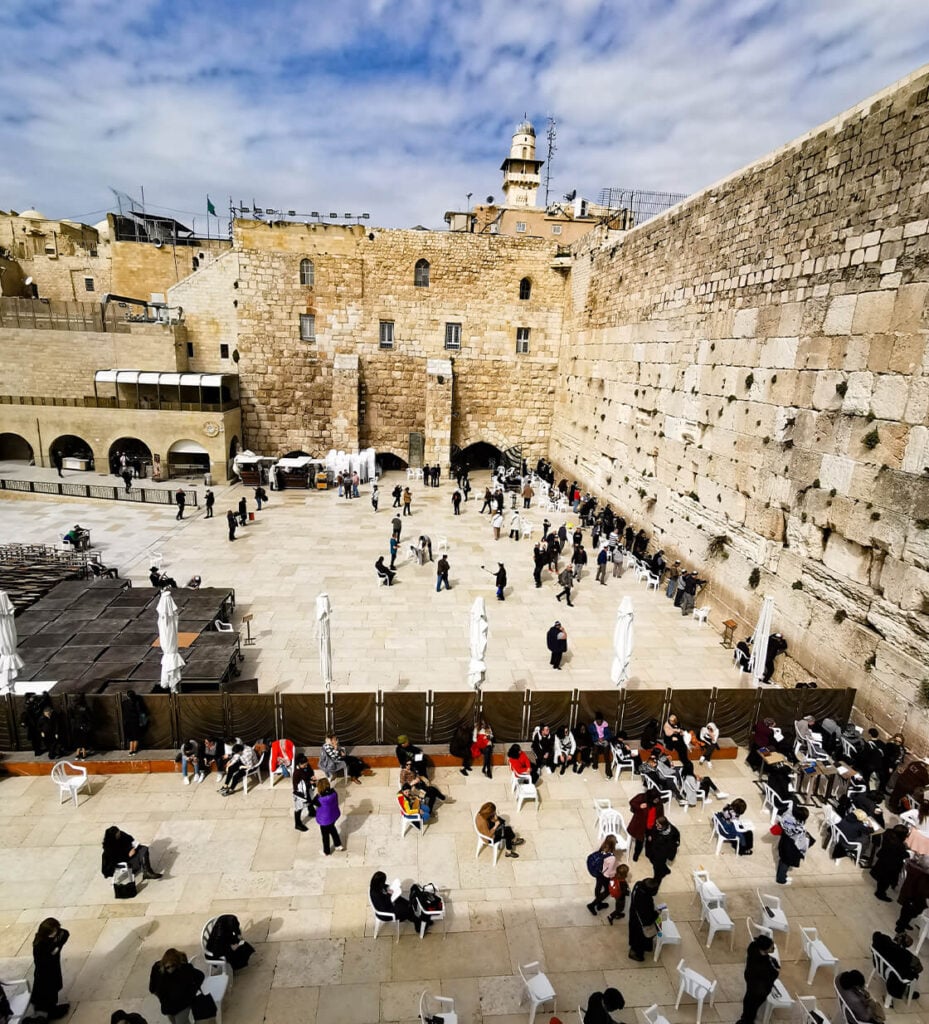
[401, 108]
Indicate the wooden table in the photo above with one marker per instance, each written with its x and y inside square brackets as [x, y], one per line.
[183, 640]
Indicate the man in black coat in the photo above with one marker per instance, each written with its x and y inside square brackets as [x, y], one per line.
[906, 967]
[761, 971]
[661, 847]
[557, 642]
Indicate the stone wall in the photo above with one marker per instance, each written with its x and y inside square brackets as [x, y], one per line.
[752, 366]
[208, 297]
[362, 278]
[61, 364]
[141, 269]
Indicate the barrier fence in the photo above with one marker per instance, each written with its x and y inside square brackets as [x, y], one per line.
[367, 719]
[108, 492]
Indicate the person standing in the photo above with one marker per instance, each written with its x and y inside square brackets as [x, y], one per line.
[127, 479]
[602, 1005]
[528, 494]
[540, 560]
[175, 983]
[465, 486]
[135, 720]
[425, 545]
[761, 971]
[441, 573]
[58, 461]
[793, 843]
[578, 560]
[643, 916]
[356, 480]
[602, 559]
[888, 863]
[394, 548]
[231, 520]
[326, 803]
[375, 497]
[396, 494]
[302, 788]
[645, 807]
[460, 746]
[407, 501]
[396, 526]
[661, 845]
[556, 640]
[566, 579]
[243, 511]
[49, 940]
[260, 495]
[515, 525]
[601, 865]
[497, 523]
[209, 500]
[456, 501]
[488, 501]
[180, 499]
[500, 580]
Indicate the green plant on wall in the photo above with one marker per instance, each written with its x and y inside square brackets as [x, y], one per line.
[754, 578]
[923, 691]
[716, 546]
[872, 439]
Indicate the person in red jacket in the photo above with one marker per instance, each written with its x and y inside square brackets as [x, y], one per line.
[520, 763]
[645, 810]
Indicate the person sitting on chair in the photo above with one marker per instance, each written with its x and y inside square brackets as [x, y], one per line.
[895, 949]
[384, 572]
[730, 824]
[159, 579]
[243, 759]
[226, 942]
[411, 806]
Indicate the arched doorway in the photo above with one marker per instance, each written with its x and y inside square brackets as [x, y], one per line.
[187, 457]
[138, 456]
[14, 448]
[387, 462]
[480, 455]
[70, 446]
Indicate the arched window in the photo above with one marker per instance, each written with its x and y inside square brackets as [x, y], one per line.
[307, 273]
[525, 288]
[421, 274]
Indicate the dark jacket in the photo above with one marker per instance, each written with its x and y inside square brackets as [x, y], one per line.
[761, 970]
[406, 754]
[543, 747]
[553, 642]
[662, 846]
[46, 955]
[175, 989]
[908, 967]
[115, 851]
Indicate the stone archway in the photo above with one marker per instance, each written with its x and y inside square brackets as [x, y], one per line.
[478, 455]
[15, 448]
[71, 446]
[138, 456]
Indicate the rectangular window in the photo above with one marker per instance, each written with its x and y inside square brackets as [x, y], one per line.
[190, 350]
[520, 226]
[307, 327]
[88, 284]
[453, 336]
[223, 351]
[556, 229]
[386, 334]
[522, 340]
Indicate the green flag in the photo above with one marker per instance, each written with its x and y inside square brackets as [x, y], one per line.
[210, 208]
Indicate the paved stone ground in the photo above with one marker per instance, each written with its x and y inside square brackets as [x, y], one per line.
[309, 919]
[404, 637]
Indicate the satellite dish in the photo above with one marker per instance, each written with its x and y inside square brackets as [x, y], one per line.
[490, 200]
[158, 243]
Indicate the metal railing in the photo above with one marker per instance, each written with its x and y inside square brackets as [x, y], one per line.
[104, 402]
[106, 492]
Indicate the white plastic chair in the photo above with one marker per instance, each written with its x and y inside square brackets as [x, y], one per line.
[482, 841]
[883, 970]
[654, 580]
[433, 915]
[706, 889]
[213, 963]
[437, 1006]
[278, 771]
[524, 789]
[848, 748]
[641, 573]
[666, 794]
[773, 916]
[775, 803]
[412, 821]
[652, 1016]
[621, 762]
[845, 1014]
[254, 772]
[721, 836]
[695, 986]
[19, 995]
[923, 922]
[717, 919]
[223, 627]
[809, 1012]
[70, 784]
[216, 984]
[778, 999]
[668, 934]
[611, 824]
[835, 838]
[815, 949]
[525, 527]
[702, 614]
[601, 804]
[382, 917]
[537, 988]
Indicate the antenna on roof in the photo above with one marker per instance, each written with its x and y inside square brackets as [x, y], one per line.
[551, 134]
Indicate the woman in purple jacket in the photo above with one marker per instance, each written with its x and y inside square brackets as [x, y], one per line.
[326, 803]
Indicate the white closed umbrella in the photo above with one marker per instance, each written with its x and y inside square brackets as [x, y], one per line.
[324, 636]
[477, 665]
[623, 643]
[171, 661]
[10, 661]
[759, 653]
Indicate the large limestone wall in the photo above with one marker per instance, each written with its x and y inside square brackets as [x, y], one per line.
[753, 365]
[209, 298]
[364, 277]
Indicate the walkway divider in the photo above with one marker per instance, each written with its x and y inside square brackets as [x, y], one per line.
[144, 495]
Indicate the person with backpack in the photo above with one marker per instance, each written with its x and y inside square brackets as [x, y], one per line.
[135, 720]
[601, 866]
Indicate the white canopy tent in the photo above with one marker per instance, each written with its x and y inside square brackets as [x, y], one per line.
[171, 661]
[10, 661]
[477, 665]
[324, 636]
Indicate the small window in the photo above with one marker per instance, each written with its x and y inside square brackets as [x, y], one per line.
[556, 229]
[190, 350]
[453, 336]
[307, 273]
[421, 274]
[386, 334]
[194, 263]
[223, 351]
[92, 251]
[307, 327]
[525, 289]
[88, 284]
[522, 340]
[520, 226]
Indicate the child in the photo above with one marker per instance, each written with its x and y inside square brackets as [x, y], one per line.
[619, 889]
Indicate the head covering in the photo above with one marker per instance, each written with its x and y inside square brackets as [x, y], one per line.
[403, 739]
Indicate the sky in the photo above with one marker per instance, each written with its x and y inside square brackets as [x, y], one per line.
[400, 109]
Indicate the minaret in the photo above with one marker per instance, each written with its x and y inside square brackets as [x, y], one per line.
[521, 178]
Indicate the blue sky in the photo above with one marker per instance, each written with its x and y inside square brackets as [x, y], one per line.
[400, 109]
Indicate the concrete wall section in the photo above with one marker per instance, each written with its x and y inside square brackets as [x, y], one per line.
[753, 365]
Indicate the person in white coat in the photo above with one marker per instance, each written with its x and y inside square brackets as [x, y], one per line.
[565, 750]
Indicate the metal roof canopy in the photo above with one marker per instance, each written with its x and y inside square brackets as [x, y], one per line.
[204, 380]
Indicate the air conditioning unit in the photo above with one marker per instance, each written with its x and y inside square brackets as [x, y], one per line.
[51, 252]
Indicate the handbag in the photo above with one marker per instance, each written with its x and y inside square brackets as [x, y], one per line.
[203, 1006]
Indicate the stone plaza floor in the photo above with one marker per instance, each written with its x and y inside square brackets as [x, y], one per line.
[403, 637]
[308, 915]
